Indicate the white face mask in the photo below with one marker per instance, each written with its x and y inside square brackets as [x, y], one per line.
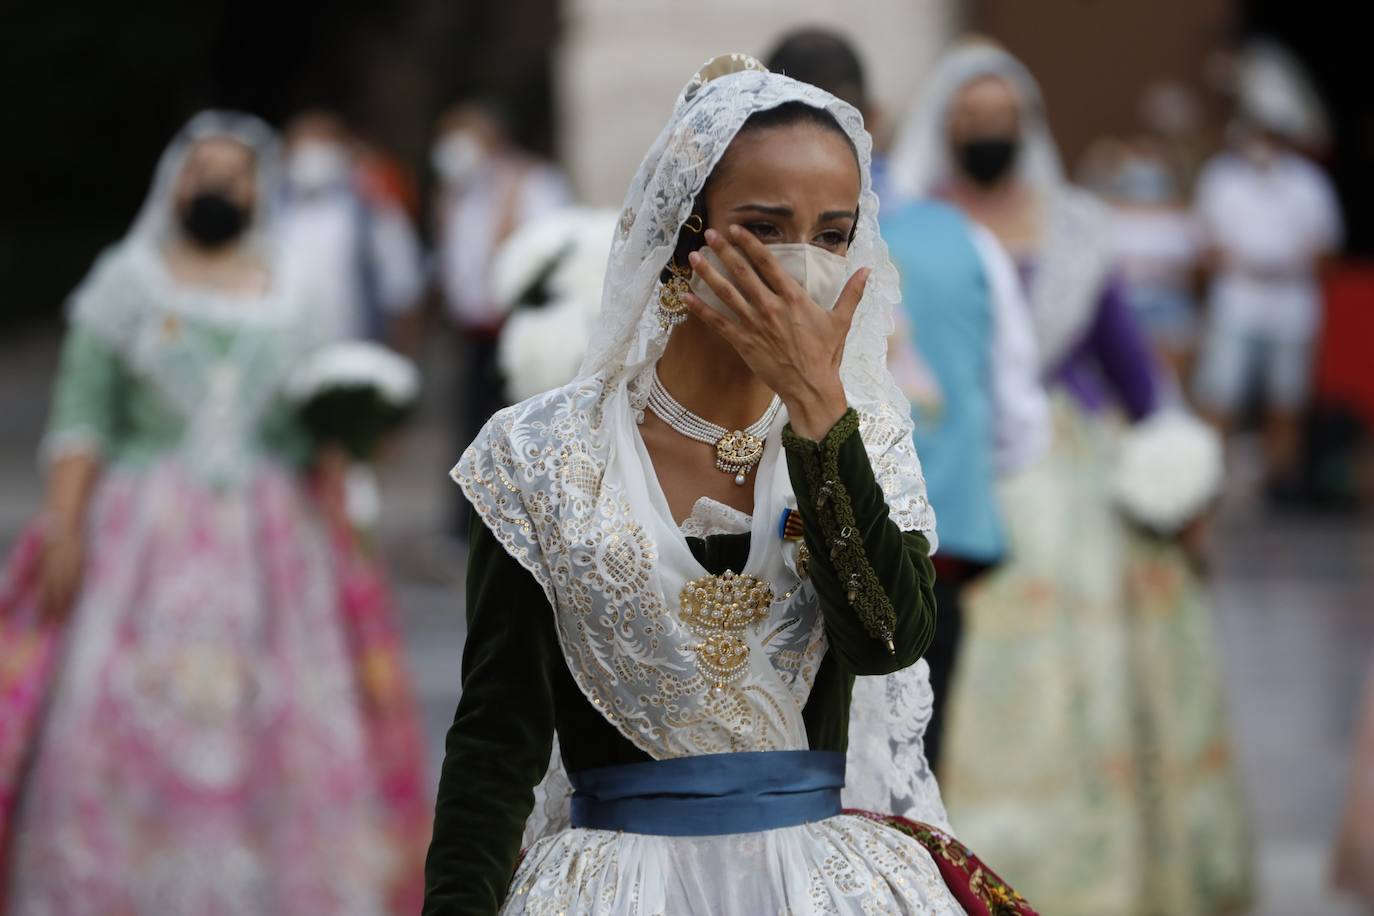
[315, 165]
[821, 273]
[456, 157]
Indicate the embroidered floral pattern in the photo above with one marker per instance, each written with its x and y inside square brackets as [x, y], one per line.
[537, 476]
[841, 865]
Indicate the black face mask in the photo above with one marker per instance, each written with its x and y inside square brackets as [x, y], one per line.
[987, 161]
[212, 220]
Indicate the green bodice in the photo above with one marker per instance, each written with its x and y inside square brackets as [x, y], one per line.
[150, 369]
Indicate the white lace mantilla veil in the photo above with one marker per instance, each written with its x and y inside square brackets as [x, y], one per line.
[541, 464]
[708, 114]
[1074, 259]
[155, 222]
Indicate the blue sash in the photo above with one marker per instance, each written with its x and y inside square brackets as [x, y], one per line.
[710, 795]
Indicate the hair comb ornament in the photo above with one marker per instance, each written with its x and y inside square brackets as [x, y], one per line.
[722, 65]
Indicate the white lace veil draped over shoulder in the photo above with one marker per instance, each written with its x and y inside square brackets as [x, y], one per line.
[1074, 259]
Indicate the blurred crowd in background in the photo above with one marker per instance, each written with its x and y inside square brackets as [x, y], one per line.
[437, 196]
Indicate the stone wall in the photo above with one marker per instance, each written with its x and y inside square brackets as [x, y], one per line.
[622, 63]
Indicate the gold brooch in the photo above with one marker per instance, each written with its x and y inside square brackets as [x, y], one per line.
[718, 609]
[737, 452]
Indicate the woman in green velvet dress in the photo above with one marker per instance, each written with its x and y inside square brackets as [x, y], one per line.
[680, 560]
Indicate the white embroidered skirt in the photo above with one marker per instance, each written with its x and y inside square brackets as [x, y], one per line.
[840, 865]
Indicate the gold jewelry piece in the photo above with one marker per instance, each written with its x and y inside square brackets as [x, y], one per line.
[718, 609]
[672, 310]
[737, 452]
[695, 230]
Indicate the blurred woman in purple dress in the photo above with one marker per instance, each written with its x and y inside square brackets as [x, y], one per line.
[1086, 741]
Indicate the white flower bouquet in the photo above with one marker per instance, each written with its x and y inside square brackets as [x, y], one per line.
[353, 394]
[548, 277]
[1168, 471]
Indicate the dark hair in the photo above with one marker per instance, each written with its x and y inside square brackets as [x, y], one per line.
[784, 115]
[825, 60]
[789, 113]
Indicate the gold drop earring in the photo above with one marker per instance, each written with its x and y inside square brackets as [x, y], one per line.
[672, 309]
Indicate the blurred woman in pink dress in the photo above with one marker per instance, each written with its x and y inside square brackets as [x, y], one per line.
[224, 672]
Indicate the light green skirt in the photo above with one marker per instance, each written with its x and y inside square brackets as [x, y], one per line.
[1087, 754]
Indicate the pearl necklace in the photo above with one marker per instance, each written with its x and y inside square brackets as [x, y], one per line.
[737, 452]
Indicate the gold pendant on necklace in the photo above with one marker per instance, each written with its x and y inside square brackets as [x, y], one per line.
[737, 453]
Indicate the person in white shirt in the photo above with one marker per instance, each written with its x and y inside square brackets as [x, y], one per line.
[1157, 246]
[488, 187]
[1269, 216]
[358, 249]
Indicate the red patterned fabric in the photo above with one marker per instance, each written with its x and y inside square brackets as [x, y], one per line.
[978, 888]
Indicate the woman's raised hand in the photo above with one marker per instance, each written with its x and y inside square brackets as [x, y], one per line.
[792, 344]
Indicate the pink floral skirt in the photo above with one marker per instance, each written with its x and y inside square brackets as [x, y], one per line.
[229, 727]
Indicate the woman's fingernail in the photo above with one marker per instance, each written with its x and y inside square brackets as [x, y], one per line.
[712, 236]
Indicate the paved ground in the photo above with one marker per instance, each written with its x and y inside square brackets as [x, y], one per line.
[1295, 610]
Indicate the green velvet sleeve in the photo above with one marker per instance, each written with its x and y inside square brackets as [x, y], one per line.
[502, 735]
[86, 397]
[875, 581]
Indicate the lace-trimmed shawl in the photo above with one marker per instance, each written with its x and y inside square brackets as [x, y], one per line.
[539, 477]
[564, 492]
